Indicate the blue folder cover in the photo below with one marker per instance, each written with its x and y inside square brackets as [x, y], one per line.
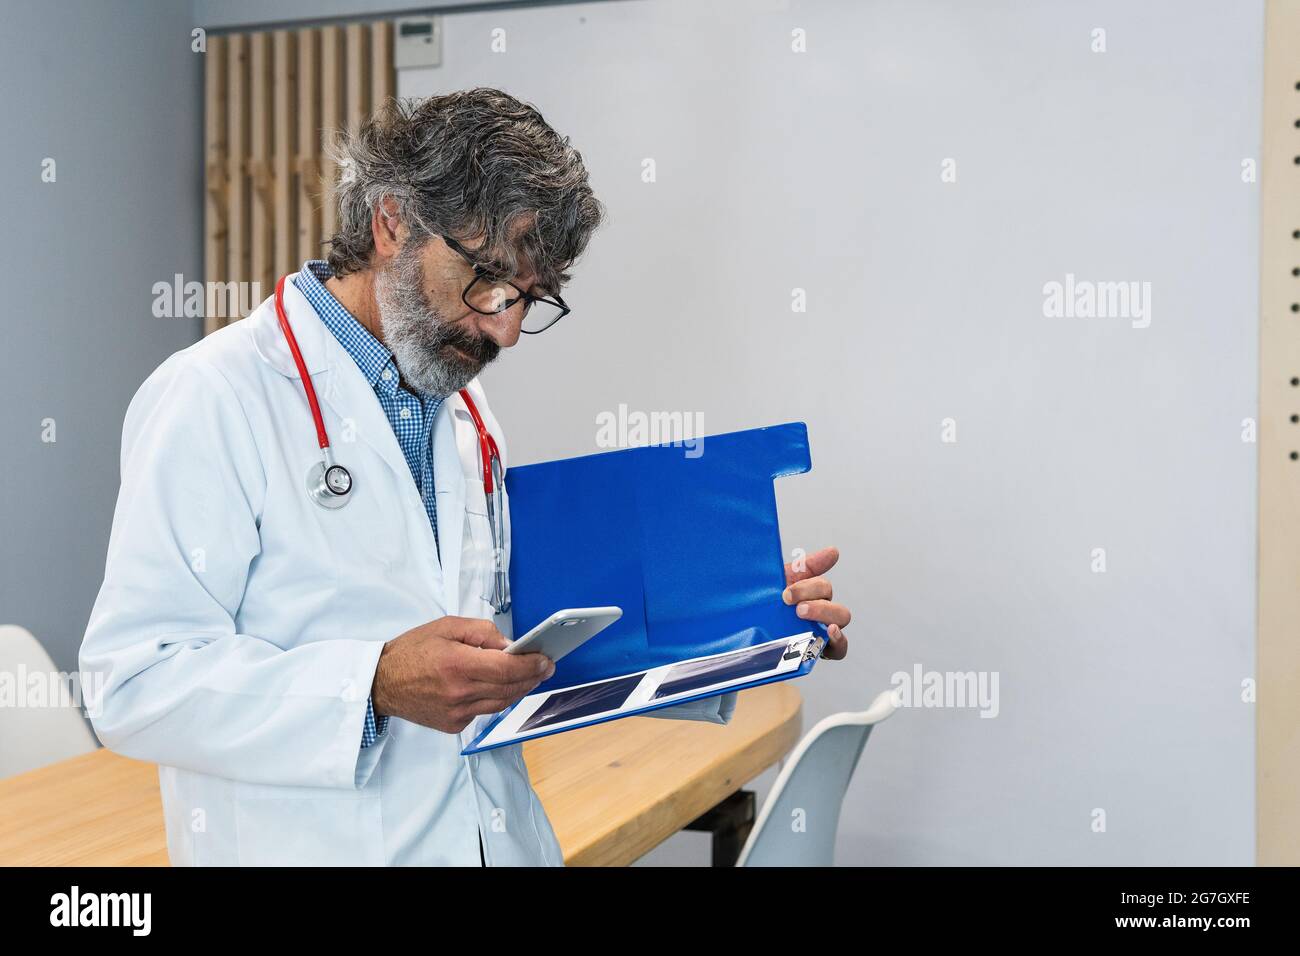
[688, 547]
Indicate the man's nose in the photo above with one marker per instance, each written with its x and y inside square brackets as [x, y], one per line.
[502, 327]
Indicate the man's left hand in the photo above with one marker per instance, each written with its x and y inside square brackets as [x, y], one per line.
[811, 594]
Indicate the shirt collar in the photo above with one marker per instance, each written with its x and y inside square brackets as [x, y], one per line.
[371, 356]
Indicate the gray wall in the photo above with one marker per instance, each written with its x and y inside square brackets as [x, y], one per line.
[1118, 690]
[110, 90]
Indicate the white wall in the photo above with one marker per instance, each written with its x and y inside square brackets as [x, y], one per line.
[821, 171]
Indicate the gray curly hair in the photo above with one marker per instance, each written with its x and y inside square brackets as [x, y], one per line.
[470, 164]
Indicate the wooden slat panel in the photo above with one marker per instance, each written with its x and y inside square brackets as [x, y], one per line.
[383, 77]
[1277, 662]
[259, 168]
[358, 75]
[238, 257]
[272, 100]
[217, 198]
[286, 143]
[309, 125]
[331, 80]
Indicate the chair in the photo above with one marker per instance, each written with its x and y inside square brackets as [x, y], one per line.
[35, 732]
[800, 817]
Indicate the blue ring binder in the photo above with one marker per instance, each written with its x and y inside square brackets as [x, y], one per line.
[688, 547]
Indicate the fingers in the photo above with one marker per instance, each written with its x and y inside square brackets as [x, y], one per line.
[475, 632]
[487, 705]
[468, 709]
[825, 612]
[809, 589]
[812, 600]
[838, 647]
[500, 669]
[460, 716]
[484, 681]
[811, 594]
[477, 690]
[813, 565]
[487, 681]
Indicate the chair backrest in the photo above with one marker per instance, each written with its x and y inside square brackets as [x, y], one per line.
[801, 816]
[36, 729]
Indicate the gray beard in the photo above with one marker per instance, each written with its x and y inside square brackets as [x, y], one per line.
[418, 336]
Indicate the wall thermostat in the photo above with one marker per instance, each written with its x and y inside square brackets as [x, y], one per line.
[417, 42]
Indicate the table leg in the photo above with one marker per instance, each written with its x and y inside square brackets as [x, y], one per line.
[729, 822]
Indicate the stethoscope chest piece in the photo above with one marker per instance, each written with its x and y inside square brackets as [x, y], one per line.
[330, 486]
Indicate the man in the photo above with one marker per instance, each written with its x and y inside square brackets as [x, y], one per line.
[306, 676]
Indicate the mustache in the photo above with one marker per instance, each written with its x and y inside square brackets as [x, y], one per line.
[479, 348]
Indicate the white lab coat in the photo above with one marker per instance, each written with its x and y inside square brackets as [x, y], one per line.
[239, 624]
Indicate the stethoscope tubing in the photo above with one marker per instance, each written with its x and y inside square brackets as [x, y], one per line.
[321, 435]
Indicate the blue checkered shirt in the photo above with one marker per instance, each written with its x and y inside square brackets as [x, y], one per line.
[411, 415]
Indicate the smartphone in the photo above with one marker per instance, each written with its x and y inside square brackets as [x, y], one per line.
[565, 631]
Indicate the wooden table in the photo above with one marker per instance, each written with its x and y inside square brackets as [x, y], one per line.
[613, 792]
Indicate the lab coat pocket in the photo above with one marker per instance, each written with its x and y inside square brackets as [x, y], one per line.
[330, 829]
[476, 561]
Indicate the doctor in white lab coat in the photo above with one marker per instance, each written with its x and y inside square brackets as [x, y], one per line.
[243, 632]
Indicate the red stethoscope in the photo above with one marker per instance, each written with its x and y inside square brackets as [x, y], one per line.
[329, 484]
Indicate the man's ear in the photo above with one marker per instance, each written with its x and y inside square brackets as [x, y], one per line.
[387, 230]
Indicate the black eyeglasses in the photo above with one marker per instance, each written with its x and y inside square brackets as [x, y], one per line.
[489, 296]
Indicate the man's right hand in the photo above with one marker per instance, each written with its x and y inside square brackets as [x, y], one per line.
[445, 673]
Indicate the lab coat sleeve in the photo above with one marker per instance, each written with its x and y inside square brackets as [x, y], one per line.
[713, 710]
[174, 682]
